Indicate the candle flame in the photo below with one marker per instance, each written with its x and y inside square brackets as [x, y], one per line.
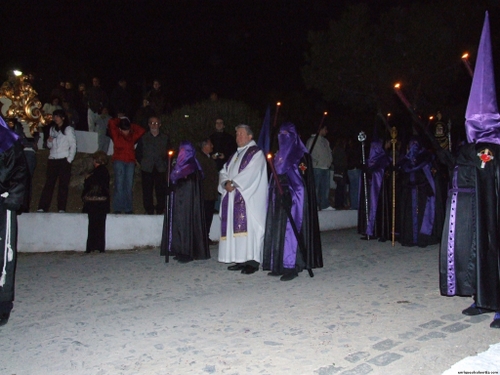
[170, 153]
[269, 156]
[278, 104]
[325, 113]
[431, 117]
[388, 115]
[397, 86]
[465, 55]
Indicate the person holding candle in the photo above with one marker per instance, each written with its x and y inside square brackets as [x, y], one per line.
[184, 230]
[292, 202]
[243, 185]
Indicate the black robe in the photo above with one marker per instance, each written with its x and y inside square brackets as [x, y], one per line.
[184, 230]
[277, 219]
[13, 180]
[410, 221]
[470, 247]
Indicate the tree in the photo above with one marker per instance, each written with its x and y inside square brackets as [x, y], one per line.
[364, 53]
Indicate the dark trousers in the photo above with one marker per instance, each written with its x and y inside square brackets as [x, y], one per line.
[96, 238]
[209, 215]
[156, 181]
[56, 169]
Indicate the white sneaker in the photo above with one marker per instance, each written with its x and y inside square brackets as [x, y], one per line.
[40, 210]
[329, 209]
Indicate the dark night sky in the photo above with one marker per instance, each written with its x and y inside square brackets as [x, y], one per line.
[240, 49]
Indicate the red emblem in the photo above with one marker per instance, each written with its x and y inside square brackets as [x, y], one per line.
[485, 156]
[302, 168]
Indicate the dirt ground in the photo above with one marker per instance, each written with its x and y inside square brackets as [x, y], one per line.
[80, 167]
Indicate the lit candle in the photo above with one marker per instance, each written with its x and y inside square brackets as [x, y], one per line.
[276, 114]
[170, 154]
[397, 89]
[465, 60]
[273, 170]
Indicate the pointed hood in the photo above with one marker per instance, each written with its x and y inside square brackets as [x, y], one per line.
[482, 118]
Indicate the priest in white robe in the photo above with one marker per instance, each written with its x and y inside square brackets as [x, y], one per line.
[243, 185]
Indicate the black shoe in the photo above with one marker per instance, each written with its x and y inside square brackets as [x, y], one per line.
[236, 267]
[473, 310]
[248, 269]
[211, 243]
[4, 318]
[496, 320]
[272, 273]
[289, 275]
[184, 260]
[87, 251]
[101, 251]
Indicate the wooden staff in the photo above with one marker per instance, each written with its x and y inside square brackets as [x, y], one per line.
[394, 134]
[317, 133]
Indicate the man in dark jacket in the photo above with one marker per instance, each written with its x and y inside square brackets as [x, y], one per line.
[209, 182]
[151, 153]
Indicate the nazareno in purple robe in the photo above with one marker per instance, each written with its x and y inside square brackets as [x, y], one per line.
[294, 169]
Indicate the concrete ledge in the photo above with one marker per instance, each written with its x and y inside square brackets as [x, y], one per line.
[44, 232]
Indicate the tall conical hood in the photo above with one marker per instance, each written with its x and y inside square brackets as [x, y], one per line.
[482, 118]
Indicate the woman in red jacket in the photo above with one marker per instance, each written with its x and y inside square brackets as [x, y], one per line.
[124, 136]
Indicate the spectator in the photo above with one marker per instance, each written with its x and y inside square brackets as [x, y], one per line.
[322, 160]
[121, 100]
[102, 130]
[224, 144]
[151, 152]
[81, 107]
[62, 145]
[124, 136]
[157, 99]
[209, 183]
[72, 114]
[354, 162]
[144, 113]
[339, 160]
[96, 198]
[96, 100]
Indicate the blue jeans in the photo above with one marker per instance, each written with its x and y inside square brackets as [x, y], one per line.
[354, 181]
[124, 183]
[322, 180]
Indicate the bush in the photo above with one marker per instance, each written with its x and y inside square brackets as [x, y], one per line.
[196, 122]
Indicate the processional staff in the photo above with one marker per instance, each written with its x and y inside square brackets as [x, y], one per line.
[394, 134]
[167, 207]
[362, 138]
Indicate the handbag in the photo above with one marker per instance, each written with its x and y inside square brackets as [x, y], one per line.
[95, 195]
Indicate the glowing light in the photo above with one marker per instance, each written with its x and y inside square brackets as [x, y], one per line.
[17, 73]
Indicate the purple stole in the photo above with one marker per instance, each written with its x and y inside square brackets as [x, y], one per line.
[239, 208]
